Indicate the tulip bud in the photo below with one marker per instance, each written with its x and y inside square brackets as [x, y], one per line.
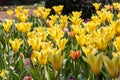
[75, 55]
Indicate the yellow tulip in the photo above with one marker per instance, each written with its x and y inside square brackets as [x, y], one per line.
[115, 5]
[115, 54]
[111, 32]
[41, 8]
[53, 19]
[108, 7]
[7, 24]
[64, 21]
[78, 29]
[109, 16]
[35, 43]
[19, 26]
[97, 5]
[34, 57]
[39, 29]
[16, 43]
[102, 16]
[55, 57]
[117, 27]
[46, 45]
[81, 39]
[95, 19]
[95, 62]
[45, 13]
[25, 11]
[20, 8]
[21, 16]
[9, 12]
[24, 27]
[101, 38]
[3, 72]
[58, 9]
[31, 34]
[89, 50]
[76, 14]
[112, 66]
[27, 27]
[37, 13]
[90, 26]
[61, 43]
[43, 35]
[118, 15]
[76, 21]
[43, 57]
[117, 43]
[39, 56]
[56, 32]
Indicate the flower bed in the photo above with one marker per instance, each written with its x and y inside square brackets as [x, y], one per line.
[60, 47]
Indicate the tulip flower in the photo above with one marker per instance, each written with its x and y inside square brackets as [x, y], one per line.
[101, 38]
[43, 35]
[53, 19]
[34, 57]
[55, 57]
[76, 14]
[45, 13]
[115, 54]
[117, 27]
[90, 26]
[25, 11]
[109, 16]
[95, 62]
[64, 21]
[9, 12]
[97, 5]
[27, 62]
[40, 57]
[112, 66]
[7, 24]
[72, 34]
[31, 34]
[74, 55]
[41, 8]
[37, 13]
[56, 32]
[58, 9]
[2, 73]
[61, 43]
[78, 29]
[16, 43]
[102, 16]
[117, 43]
[24, 27]
[21, 16]
[89, 50]
[27, 77]
[81, 39]
[35, 43]
[115, 5]
[75, 21]
[95, 19]
[19, 26]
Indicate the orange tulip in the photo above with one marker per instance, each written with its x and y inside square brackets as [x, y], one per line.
[75, 55]
[72, 34]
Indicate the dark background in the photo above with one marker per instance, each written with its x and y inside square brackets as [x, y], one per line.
[17, 2]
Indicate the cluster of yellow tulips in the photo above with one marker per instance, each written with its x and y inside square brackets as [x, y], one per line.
[52, 39]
